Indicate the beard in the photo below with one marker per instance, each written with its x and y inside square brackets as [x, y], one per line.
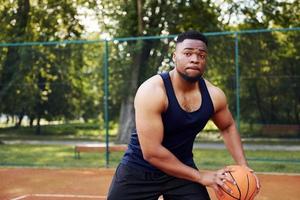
[190, 79]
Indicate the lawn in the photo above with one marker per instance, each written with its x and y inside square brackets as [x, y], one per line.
[62, 156]
[47, 156]
[67, 131]
[262, 161]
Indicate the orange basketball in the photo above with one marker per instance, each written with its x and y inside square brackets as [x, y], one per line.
[245, 188]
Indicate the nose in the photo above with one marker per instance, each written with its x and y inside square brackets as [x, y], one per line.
[194, 58]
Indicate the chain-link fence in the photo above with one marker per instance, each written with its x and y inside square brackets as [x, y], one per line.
[259, 70]
[87, 86]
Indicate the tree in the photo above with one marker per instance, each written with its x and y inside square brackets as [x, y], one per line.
[12, 63]
[148, 17]
[50, 81]
[269, 74]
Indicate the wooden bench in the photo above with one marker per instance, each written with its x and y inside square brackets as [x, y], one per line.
[97, 148]
[281, 129]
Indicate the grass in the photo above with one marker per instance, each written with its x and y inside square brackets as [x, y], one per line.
[63, 157]
[69, 131]
[91, 131]
[215, 137]
[95, 132]
[261, 161]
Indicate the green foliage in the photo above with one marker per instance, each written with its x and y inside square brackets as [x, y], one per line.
[270, 78]
[50, 81]
[62, 81]
[131, 62]
[268, 64]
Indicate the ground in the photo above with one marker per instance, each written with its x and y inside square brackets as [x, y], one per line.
[83, 184]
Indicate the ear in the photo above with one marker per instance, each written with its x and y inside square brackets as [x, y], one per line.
[174, 57]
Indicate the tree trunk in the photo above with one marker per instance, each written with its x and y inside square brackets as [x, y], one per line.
[38, 126]
[31, 119]
[138, 74]
[127, 120]
[140, 16]
[258, 103]
[7, 119]
[20, 119]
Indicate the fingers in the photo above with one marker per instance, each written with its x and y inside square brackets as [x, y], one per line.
[257, 180]
[230, 169]
[251, 170]
[258, 186]
[222, 184]
[223, 176]
[226, 177]
[229, 178]
[218, 191]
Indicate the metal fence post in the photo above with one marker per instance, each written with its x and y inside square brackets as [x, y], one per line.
[106, 93]
[237, 79]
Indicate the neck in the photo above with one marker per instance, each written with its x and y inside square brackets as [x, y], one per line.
[179, 82]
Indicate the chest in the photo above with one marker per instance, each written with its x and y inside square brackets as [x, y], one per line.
[189, 102]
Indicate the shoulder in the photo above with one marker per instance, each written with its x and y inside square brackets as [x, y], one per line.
[152, 86]
[151, 94]
[217, 95]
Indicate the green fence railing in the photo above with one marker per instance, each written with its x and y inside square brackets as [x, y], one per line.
[52, 82]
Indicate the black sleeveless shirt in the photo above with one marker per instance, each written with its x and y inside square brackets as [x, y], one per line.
[180, 128]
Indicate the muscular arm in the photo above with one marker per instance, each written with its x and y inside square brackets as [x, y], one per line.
[225, 122]
[150, 102]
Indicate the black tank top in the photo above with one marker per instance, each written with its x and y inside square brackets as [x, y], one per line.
[180, 128]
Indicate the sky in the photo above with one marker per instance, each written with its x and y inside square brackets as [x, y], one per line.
[88, 19]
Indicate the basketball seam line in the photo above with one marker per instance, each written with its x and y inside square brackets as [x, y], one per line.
[254, 192]
[252, 195]
[247, 187]
[231, 194]
[240, 194]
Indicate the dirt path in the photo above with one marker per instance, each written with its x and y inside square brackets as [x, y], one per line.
[85, 184]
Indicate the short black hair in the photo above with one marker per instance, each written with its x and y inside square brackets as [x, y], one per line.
[194, 35]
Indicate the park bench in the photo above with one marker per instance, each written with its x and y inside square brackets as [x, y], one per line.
[281, 129]
[98, 148]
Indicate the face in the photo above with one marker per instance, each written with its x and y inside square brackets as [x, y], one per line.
[190, 59]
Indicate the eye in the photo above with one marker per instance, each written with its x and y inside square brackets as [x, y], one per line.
[202, 56]
[187, 53]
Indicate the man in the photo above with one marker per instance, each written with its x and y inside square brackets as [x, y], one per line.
[170, 110]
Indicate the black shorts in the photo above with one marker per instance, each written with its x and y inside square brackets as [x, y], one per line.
[136, 184]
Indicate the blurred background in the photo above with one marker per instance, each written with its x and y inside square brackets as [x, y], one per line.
[69, 71]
